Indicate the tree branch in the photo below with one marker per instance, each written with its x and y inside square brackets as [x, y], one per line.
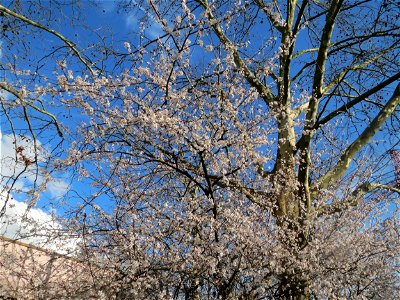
[8, 88]
[70, 44]
[312, 109]
[342, 44]
[355, 101]
[344, 161]
[342, 74]
[275, 19]
[363, 189]
[264, 91]
[323, 51]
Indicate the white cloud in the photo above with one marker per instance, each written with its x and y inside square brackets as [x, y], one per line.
[34, 226]
[131, 21]
[18, 220]
[153, 28]
[57, 188]
[15, 153]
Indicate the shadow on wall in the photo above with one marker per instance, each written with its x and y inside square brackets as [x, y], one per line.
[29, 272]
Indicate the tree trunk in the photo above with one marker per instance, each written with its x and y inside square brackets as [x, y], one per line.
[293, 289]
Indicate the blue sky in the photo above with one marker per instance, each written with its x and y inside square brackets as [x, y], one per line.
[103, 24]
[117, 27]
[100, 20]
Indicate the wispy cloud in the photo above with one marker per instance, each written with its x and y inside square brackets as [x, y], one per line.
[152, 30]
[57, 188]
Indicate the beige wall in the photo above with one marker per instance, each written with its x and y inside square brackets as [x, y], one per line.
[28, 272]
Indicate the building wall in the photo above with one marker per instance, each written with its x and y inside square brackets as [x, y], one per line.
[29, 272]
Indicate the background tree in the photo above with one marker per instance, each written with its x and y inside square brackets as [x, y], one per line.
[32, 49]
[242, 153]
[31, 134]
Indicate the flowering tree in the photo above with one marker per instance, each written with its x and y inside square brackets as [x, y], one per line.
[234, 152]
[239, 155]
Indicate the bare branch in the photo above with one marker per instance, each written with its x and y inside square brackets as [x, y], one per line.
[356, 100]
[342, 74]
[323, 52]
[264, 91]
[354, 200]
[17, 94]
[275, 19]
[312, 108]
[344, 161]
[70, 44]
